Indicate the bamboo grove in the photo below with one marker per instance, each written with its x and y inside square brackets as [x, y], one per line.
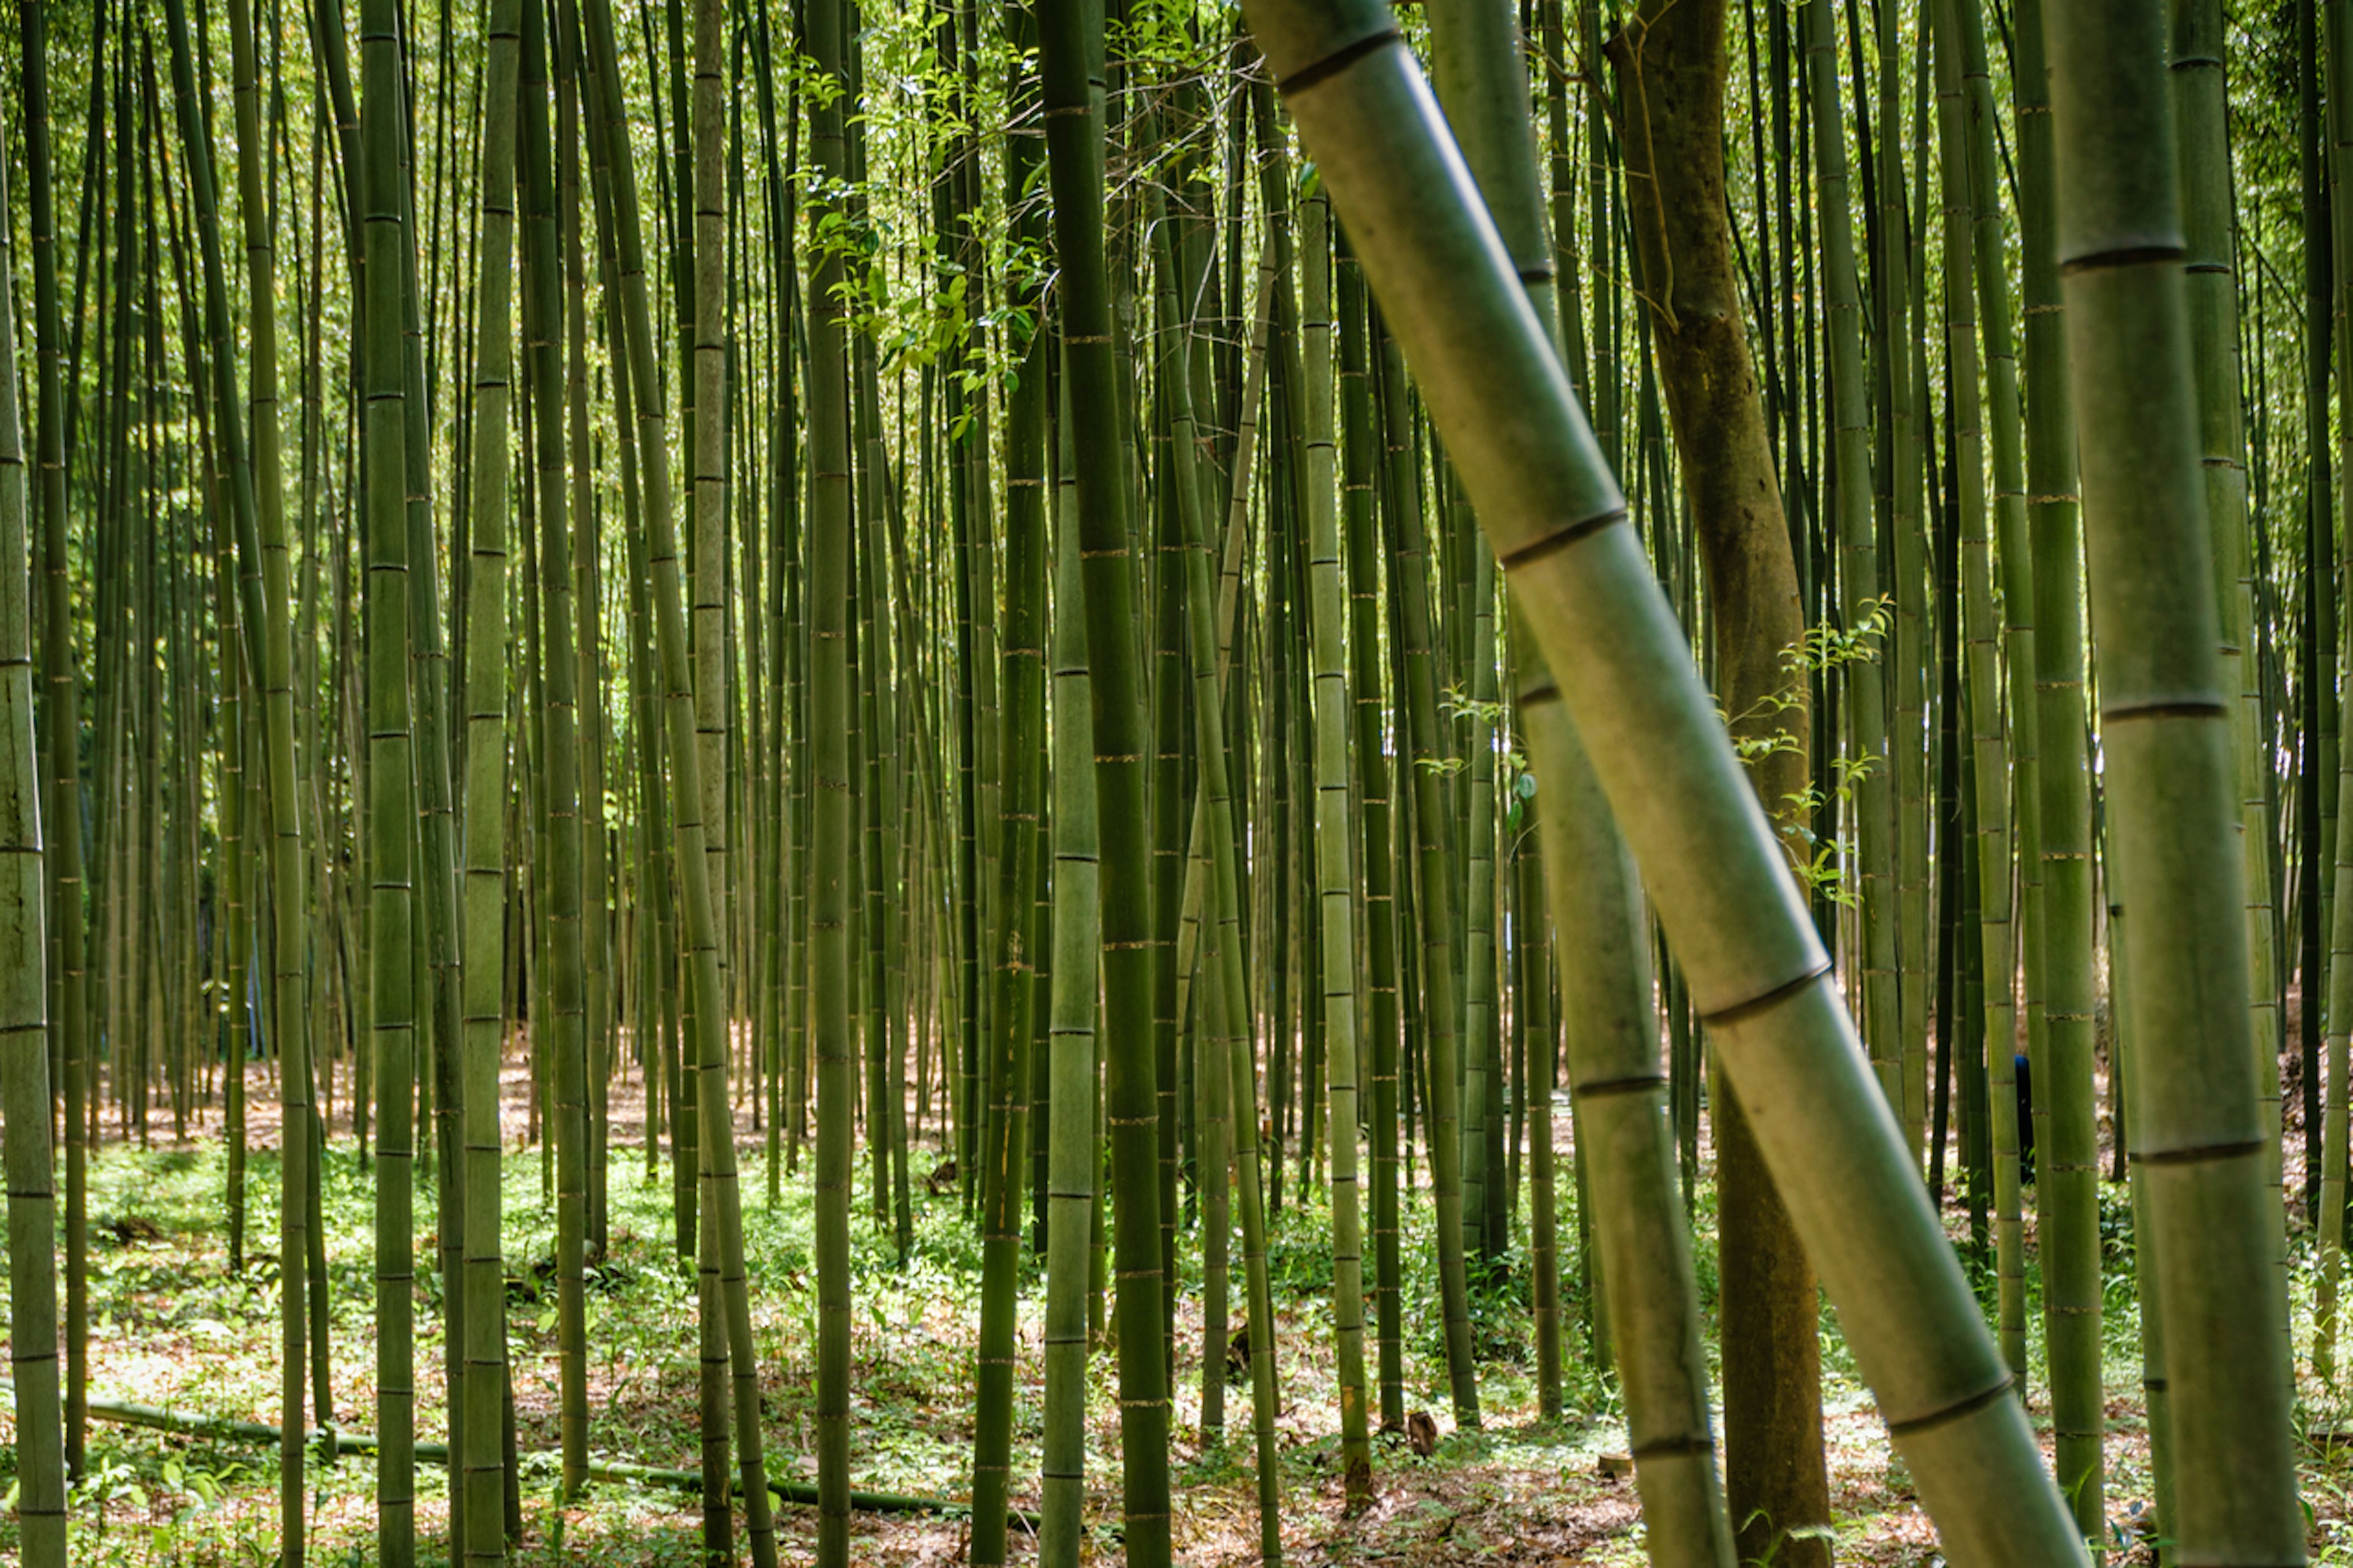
[1143, 622]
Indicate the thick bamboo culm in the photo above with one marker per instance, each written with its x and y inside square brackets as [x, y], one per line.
[1720, 884]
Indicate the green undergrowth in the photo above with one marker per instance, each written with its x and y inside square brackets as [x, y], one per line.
[170, 1325]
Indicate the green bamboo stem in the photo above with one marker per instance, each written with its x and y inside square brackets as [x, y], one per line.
[391, 811]
[437, 984]
[699, 280]
[699, 900]
[475, 1436]
[2316, 650]
[1540, 1032]
[1335, 881]
[1020, 796]
[2069, 1173]
[62, 856]
[33, 1362]
[1434, 889]
[828, 612]
[2208, 229]
[549, 398]
[1071, 1173]
[1370, 720]
[2171, 786]
[588, 611]
[1878, 912]
[705, 428]
[1172, 880]
[1228, 995]
[2334, 1136]
[1989, 740]
[1620, 1095]
[256, 506]
[1895, 341]
[1718, 878]
[1071, 58]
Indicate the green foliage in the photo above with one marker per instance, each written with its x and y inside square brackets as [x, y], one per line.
[1770, 727]
[206, 1339]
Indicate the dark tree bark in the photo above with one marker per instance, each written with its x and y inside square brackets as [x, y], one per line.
[1670, 64]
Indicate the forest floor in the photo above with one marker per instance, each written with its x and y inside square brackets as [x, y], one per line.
[170, 1326]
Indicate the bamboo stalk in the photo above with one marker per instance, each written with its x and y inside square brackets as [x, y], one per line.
[1720, 882]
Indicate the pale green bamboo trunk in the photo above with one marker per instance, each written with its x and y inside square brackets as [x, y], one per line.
[1719, 880]
[2172, 788]
[1335, 884]
[2069, 1160]
[476, 1438]
[2210, 230]
[1073, 1163]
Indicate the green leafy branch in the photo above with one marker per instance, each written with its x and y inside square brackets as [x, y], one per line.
[1762, 730]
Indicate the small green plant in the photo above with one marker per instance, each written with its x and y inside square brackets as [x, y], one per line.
[1782, 1537]
[1768, 728]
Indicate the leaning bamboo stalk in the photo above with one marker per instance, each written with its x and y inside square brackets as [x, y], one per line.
[1719, 880]
[1645, 1261]
[1597, 915]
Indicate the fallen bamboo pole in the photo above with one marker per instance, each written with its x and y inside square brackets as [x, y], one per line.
[222, 1428]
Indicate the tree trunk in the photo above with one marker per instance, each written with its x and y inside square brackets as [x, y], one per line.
[1670, 62]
